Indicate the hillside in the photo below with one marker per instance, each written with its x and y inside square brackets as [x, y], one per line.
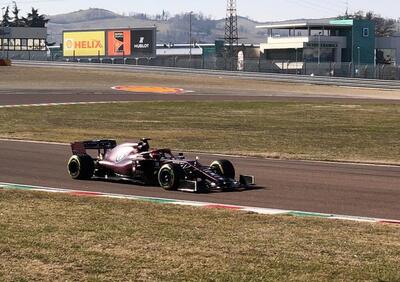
[82, 16]
[175, 29]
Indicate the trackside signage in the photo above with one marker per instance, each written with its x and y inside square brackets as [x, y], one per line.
[84, 44]
[119, 43]
[110, 43]
[142, 42]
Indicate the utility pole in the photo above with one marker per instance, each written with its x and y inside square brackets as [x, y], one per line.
[231, 33]
[319, 52]
[2, 30]
[190, 39]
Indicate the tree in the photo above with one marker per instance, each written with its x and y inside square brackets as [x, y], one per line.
[383, 26]
[17, 21]
[165, 15]
[6, 21]
[34, 19]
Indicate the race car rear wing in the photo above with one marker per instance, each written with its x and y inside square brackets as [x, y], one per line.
[79, 148]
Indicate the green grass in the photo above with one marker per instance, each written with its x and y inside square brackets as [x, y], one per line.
[317, 131]
[47, 237]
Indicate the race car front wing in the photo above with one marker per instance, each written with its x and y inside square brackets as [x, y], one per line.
[201, 185]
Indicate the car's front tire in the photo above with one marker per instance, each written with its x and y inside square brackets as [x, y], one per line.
[169, 176]
[81, 167]
[224, 168]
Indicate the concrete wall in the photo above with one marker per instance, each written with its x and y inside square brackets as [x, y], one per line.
[24, 55]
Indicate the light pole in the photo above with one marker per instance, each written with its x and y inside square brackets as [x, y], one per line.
[358, 59]
[319, 48]
[190, 39]
[319, 51]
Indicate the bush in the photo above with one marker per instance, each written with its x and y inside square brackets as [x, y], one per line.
[5, 62]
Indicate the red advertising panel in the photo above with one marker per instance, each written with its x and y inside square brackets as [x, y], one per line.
[119, 43]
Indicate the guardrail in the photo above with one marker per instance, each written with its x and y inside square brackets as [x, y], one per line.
[291, 78]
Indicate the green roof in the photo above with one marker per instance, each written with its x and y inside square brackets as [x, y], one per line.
[341, 22]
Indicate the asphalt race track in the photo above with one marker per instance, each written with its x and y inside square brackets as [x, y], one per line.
[346, 189]
[19, 97]
[359, 190]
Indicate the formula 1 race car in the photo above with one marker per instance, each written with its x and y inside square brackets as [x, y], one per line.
[137, 163]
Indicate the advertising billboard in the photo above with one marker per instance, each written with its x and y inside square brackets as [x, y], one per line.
[143, 42]
[84, 43]
[110, 43]
[119, 43]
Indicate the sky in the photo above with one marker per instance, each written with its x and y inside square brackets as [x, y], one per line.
[260, 10]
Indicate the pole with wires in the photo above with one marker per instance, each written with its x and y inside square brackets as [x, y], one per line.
[2, 30]
[231, 33]
[190, 39]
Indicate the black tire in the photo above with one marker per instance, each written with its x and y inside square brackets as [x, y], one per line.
[81, 167]
[169, 176]
[224, 168]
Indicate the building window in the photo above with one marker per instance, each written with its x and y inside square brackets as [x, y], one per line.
[366, 32]
[36, 44]
[5, 44]
[24, 44]
[11, 44]
[325, 55]
[42, 45]
[386, 56]
[30, 44]
[17, 44]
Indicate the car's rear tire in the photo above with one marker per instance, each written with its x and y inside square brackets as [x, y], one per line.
[169, 176]
[224, 168]
[81, 167]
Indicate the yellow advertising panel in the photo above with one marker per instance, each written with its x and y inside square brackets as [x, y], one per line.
[84, 43]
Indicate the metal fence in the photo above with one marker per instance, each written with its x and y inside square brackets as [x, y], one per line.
[369, 71]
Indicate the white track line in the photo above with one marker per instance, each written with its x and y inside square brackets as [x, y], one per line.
[62, 104]
[33, 142]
